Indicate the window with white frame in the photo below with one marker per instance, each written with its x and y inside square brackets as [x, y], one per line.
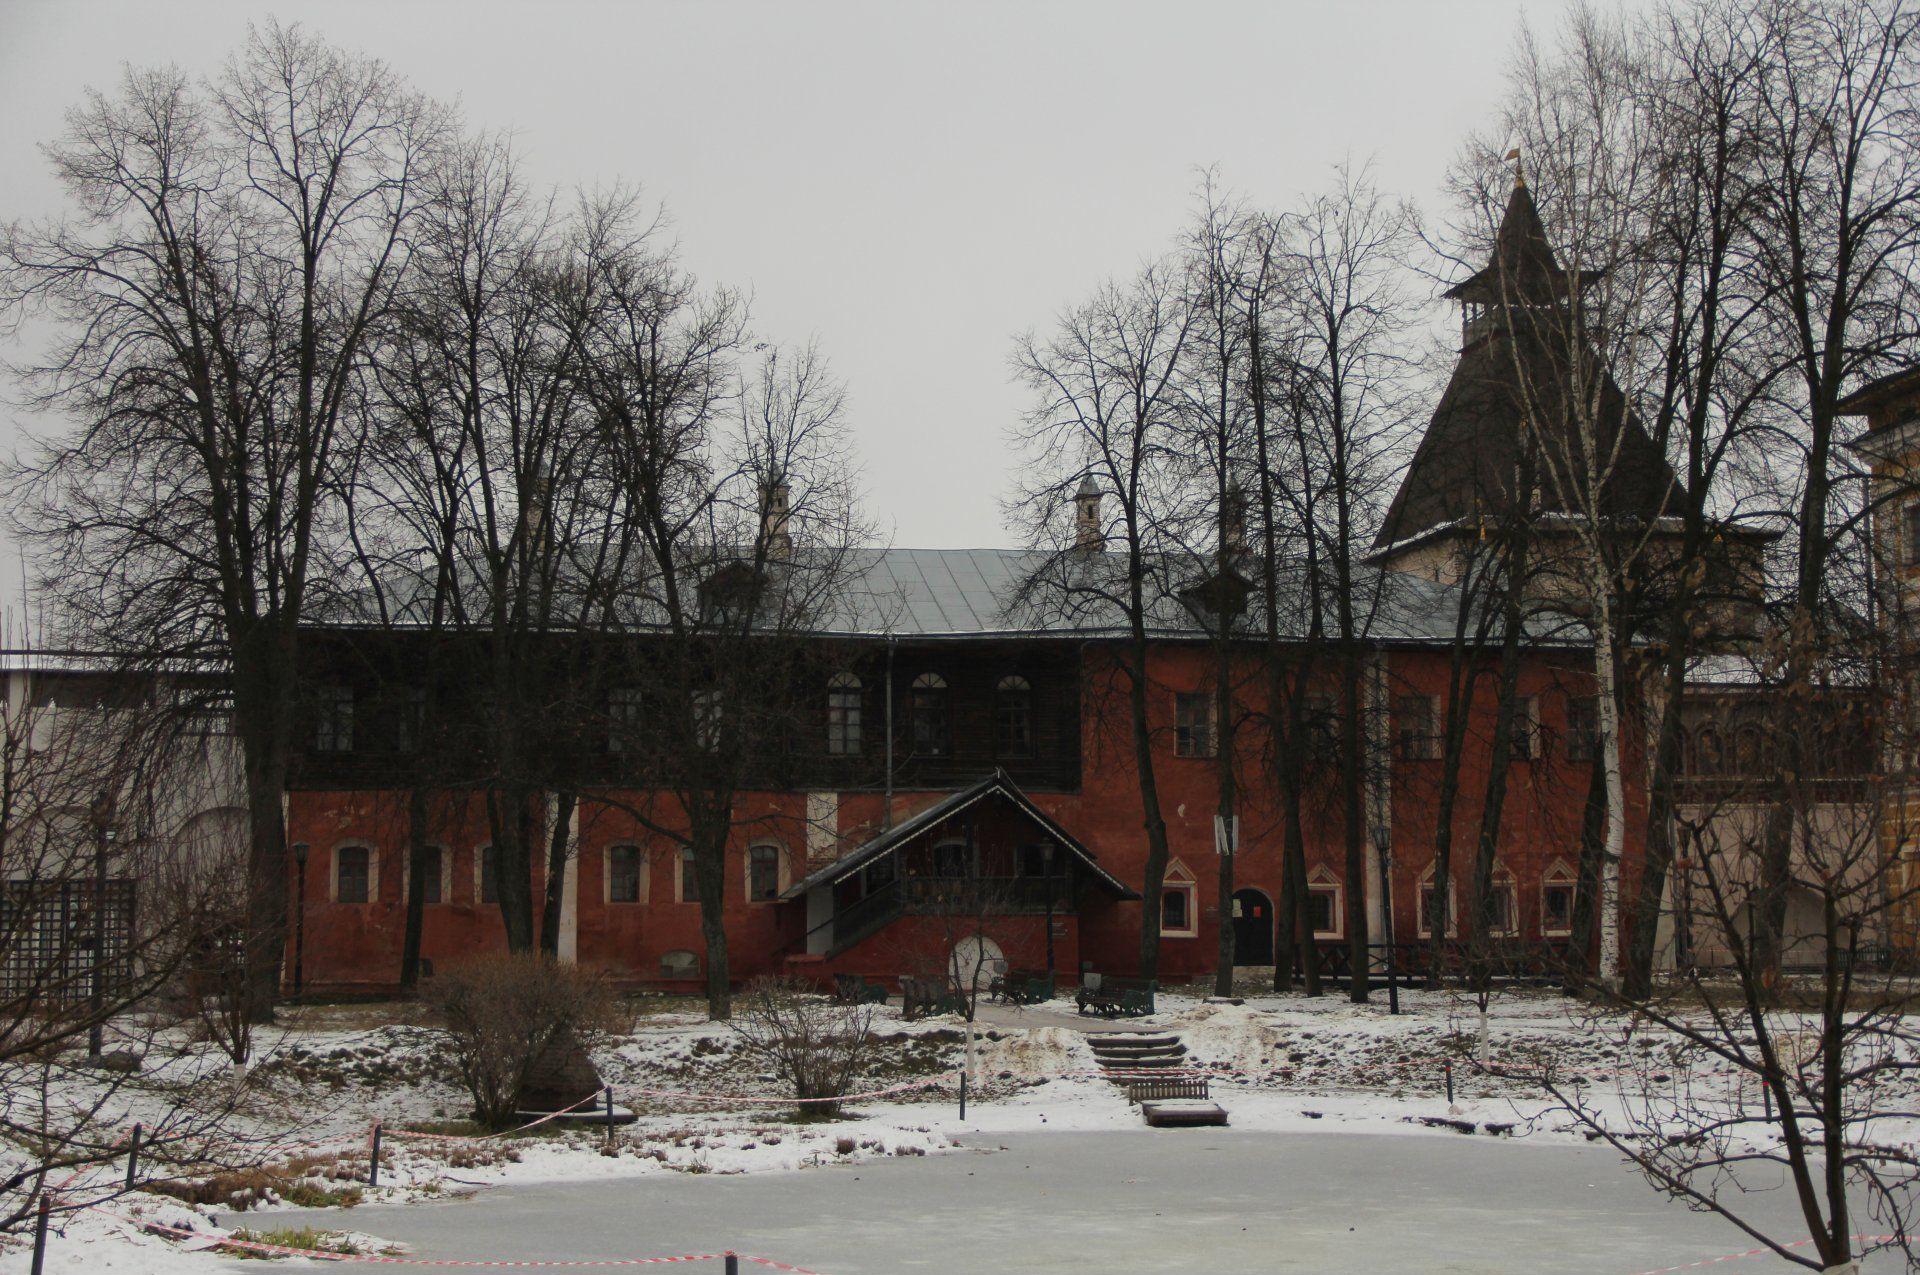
[844, 705]
[1432, 901]
[1503, 911]
[435, 885]
[1179, 903]
[1583, 728]
[624, 709]
[929, 716]
[353, 875]
[333, 719]
[1526, 728]
[1013, 717]
[1325, 905]
[1416, 731]
[1192, 724]
[626, 875]
[487, 861]
[1556, 901]
[706, 719]
[686, 883]
[763, 873]
[1910, 532]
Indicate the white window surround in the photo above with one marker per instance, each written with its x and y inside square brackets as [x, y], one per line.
[1420, 906]
[1503, 880]
[373, 872]
[1179, 878]
[645, 876]
[684, 888]
[780, 861]
[1322, 881]
[1558, 876]
[446, 874]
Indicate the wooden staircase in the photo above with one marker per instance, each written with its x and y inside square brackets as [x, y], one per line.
[1147, 1065]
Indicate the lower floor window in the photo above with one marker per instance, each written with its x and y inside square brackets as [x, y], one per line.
[1176, 909]
[1556, 907]
[1320, 914]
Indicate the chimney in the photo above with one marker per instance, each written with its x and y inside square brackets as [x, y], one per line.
[773, 520]
[1089, 535]
[1233, 523]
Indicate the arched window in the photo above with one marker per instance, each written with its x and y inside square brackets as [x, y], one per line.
[1709, 757]
[353, 879]
[928, 711]
[1013, 717]
[763, 873]
[843, 715]
[951, 860]
[626, 875]
[1749, 751]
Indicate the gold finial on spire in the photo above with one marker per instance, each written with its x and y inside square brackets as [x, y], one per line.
[1519, 173]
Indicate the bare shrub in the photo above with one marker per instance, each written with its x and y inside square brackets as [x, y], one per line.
[812, 1044]
[502, 1012]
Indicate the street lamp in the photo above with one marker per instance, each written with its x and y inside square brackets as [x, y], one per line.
[299, 916]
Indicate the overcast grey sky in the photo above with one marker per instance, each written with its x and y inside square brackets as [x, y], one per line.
[910, 183]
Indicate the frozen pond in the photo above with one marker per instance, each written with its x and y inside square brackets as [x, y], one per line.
[1146, 1201]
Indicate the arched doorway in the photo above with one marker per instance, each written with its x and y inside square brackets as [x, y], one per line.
[1252, 928]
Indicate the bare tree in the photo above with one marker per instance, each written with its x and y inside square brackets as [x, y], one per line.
[1104, 424]
[235, 244]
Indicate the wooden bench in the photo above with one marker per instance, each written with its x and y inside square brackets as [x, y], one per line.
[923, 996]
[1116, 997]
[1019, 987]
[1157, 1090]
[852, 989]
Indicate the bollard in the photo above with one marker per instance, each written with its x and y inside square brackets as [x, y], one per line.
[373, 1162]
[609, 1093]
[963, 1095]
[40, 1236]
[1449, 1068]
[733, 1263]
[133, 1157]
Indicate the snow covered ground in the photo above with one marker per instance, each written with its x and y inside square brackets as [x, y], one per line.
[1279, 1065]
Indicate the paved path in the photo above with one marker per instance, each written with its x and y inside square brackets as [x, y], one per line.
[1123, 1203]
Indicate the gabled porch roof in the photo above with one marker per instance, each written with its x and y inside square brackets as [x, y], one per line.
[905, 831]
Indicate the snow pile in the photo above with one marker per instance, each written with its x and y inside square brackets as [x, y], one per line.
[1235, 1037]
[1040, 1051]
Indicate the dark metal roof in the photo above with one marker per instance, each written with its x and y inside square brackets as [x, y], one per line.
[900, 834]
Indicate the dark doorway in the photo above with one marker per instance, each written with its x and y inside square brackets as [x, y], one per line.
[1252, 928]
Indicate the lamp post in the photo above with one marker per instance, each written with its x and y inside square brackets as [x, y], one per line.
[103, 837]
[299, 916]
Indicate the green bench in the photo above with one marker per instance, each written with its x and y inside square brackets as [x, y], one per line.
[852, 989]
[922, 996]
[1021, 987]
[1116, 997]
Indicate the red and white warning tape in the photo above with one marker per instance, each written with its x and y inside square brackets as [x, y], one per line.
[413, 1135]
[1760, 1252]
[936, 1081]
[379, 1259]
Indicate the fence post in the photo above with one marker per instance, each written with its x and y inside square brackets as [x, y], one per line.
[133, 1157]
[609, 1093]
[963, 1095]
[40, 1235]
[733, 1263]
[373, 1161]
[1448, 1065]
